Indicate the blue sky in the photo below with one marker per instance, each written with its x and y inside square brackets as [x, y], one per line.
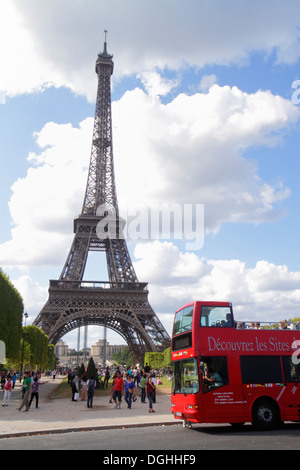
[204, 112]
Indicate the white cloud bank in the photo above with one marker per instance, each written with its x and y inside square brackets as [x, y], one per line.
[53, 42]
[189, 151]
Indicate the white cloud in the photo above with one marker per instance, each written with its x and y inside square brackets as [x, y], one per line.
[45, 202]
[207, 81]
[155, 85]
[55, 42]
[33, 295]
[191, 151]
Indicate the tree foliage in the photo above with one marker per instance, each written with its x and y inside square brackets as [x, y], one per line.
[11, 311]
[41, 353]
[123, 357]
[158, 360]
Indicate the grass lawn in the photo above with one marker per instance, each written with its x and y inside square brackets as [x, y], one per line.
[64, 389]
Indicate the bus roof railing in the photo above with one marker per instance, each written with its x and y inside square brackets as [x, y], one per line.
[279, 325]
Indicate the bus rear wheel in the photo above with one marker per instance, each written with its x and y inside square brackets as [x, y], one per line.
[265, 414]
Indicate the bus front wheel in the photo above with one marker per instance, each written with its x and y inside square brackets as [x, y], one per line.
[265, 414]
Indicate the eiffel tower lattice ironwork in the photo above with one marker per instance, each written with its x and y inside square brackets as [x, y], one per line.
[120, 304]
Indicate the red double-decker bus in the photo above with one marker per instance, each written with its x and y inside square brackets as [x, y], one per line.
[224, 372]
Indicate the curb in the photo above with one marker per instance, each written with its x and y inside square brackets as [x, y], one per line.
[86, 429]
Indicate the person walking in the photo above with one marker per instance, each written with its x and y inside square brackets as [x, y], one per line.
[84, 395]
[149, 393]
[7, 391]
[75, 388]
[106, 377]
[27, 390]
[91, 385]
[118, 389]
[129, 390]
[153, 380]
[143, 388]
[14, 379]
[35, 391]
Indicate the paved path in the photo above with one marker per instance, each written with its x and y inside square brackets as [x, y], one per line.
[61, 414]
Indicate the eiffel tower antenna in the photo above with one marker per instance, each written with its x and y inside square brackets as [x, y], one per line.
[120, 304]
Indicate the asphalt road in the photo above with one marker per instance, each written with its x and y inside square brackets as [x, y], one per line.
[165, 438]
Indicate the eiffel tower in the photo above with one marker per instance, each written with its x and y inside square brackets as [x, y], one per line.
[121, 303]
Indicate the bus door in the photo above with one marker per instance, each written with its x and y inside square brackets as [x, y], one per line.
[220, 399]
[186, 387]
[290, 395]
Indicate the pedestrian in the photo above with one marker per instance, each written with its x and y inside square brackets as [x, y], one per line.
[7, 390]
[91, 385]
[75, 388]
[149, 393]
[143, 388]
[118, 389]
[14, 379]
[135, 375]
[153, 380]
[35, 391]
[84, 394]
[129, 390]
[111, 392]
[27, 390]
[106, 377]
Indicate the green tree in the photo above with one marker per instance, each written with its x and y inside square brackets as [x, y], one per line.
[167, 358]
[40, 355]
[157, 360]
[51, 359]
[123, 357]
[11, 311]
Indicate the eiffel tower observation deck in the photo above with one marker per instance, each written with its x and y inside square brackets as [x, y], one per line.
[121, 303]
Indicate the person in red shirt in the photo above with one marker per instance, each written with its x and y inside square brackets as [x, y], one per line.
[118, 389]
[7, 391]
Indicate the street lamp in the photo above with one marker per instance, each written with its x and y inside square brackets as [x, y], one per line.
[23, 345]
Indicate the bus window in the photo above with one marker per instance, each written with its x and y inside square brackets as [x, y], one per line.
[291, 370]
[216, 316]
[261, 369]
[183, 320]
[186, 378]
[214, 373]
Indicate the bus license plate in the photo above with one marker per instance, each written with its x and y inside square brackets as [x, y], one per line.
[178, 413]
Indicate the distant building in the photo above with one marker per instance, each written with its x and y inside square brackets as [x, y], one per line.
[97, 351]
[61, 349]
[69, 358]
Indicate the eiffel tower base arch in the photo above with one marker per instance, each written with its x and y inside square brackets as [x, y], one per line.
[122, 307]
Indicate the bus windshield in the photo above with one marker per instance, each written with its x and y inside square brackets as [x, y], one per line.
[186, 377]
[183, 320]
[216, 316]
